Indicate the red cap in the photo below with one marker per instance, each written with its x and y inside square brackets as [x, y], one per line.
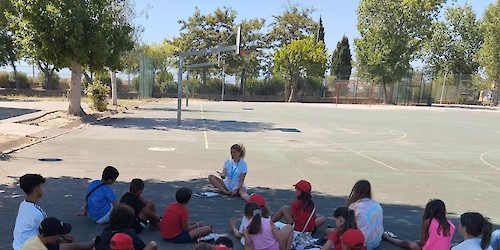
[121, 241]
[303, 186]
[222, 247]
[257, 198]
[353, 238]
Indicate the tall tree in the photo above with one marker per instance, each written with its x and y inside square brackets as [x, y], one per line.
[298, 59]
[292, 24]
[489, 55]
[455, 42]
[73, 34]
[320, 34]
[342, 60]
[392, 32]
[8, 50]
[201, 31]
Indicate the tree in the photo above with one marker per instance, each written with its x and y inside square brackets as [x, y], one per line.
[489, 55]
[8, 50]
[455, 42]
[342, 60]
[293, 24]
[302, 57]
[73, 34]
[320, 35]
[203, 32]
[392, 32]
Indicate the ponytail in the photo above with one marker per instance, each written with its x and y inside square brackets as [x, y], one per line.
[477, 225]
[486, 231]
[255, 225]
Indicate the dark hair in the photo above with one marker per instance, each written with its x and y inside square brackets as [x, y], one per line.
[121, 217]
[203, 246]
[255, 225]
[28, 182]
[306, 202]
[362, 189]
[435, 209]
[475, 224]
[183, 195]
[349, 217]
[136, 185]
[110, 173]
[240, 148]
[224, 241]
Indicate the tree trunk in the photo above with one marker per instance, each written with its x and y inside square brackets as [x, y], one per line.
[384, 91]
[114, 91]
[88, 77]
[75, 95]
[16, 79]
[294, 87]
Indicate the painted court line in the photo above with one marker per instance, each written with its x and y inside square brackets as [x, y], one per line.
[481, 157]
[360, 154]
[204, 126]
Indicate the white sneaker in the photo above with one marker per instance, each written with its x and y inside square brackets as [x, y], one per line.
[211, 237]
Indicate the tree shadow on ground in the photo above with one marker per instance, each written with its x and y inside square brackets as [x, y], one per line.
[65, 195]
[6, 113]
[188, 124]
[187, 110]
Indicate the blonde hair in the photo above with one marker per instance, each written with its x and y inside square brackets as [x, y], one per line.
[240, 148]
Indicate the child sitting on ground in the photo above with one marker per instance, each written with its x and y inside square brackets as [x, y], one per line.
[435, 233]
[368, 213]
[261, 233]
[302, 209]
[344, 220]
[476, 230]
[100, 198]
[174, 226]
[261, 202]
[144, 210]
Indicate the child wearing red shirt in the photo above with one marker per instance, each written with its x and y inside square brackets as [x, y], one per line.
[301, 209]
[174, 226]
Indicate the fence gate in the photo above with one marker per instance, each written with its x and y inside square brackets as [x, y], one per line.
[146, 76]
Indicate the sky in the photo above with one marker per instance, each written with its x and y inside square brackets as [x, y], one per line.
[339, 17]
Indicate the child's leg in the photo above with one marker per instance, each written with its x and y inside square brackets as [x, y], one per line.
[283, 212]
[151, 246]
[200, 232]
[151, 215]
[319, 222]
[243, 194]
[402, 243]
[329, 231]
[218, 183]
[285, 236]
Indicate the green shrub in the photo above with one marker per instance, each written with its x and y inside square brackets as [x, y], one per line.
[53, 82]
[98, 94]
[272, 86]
[21, 77]
[4, 80]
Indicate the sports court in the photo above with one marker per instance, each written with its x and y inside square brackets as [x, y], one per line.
[409, 154]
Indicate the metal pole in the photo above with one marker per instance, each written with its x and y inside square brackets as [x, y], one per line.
[179, 90]
[187, 89]
[223, 83]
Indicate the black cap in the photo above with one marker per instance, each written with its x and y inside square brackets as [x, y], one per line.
[52, 226]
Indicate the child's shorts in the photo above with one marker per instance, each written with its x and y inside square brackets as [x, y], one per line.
[183, 237]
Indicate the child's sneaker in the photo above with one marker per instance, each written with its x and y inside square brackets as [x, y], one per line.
[211, 237]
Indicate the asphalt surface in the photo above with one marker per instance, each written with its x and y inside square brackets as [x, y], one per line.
[409, 154]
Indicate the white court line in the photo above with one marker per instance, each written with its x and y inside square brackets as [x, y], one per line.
[204, 127]
[375, 143]
[365, 156]
[481, 157]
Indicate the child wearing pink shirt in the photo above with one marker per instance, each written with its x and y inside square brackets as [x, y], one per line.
[436, 231]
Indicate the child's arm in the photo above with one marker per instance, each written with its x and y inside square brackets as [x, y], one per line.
[235, 230]
[328, 245]
[248, 240]
[425, 228]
